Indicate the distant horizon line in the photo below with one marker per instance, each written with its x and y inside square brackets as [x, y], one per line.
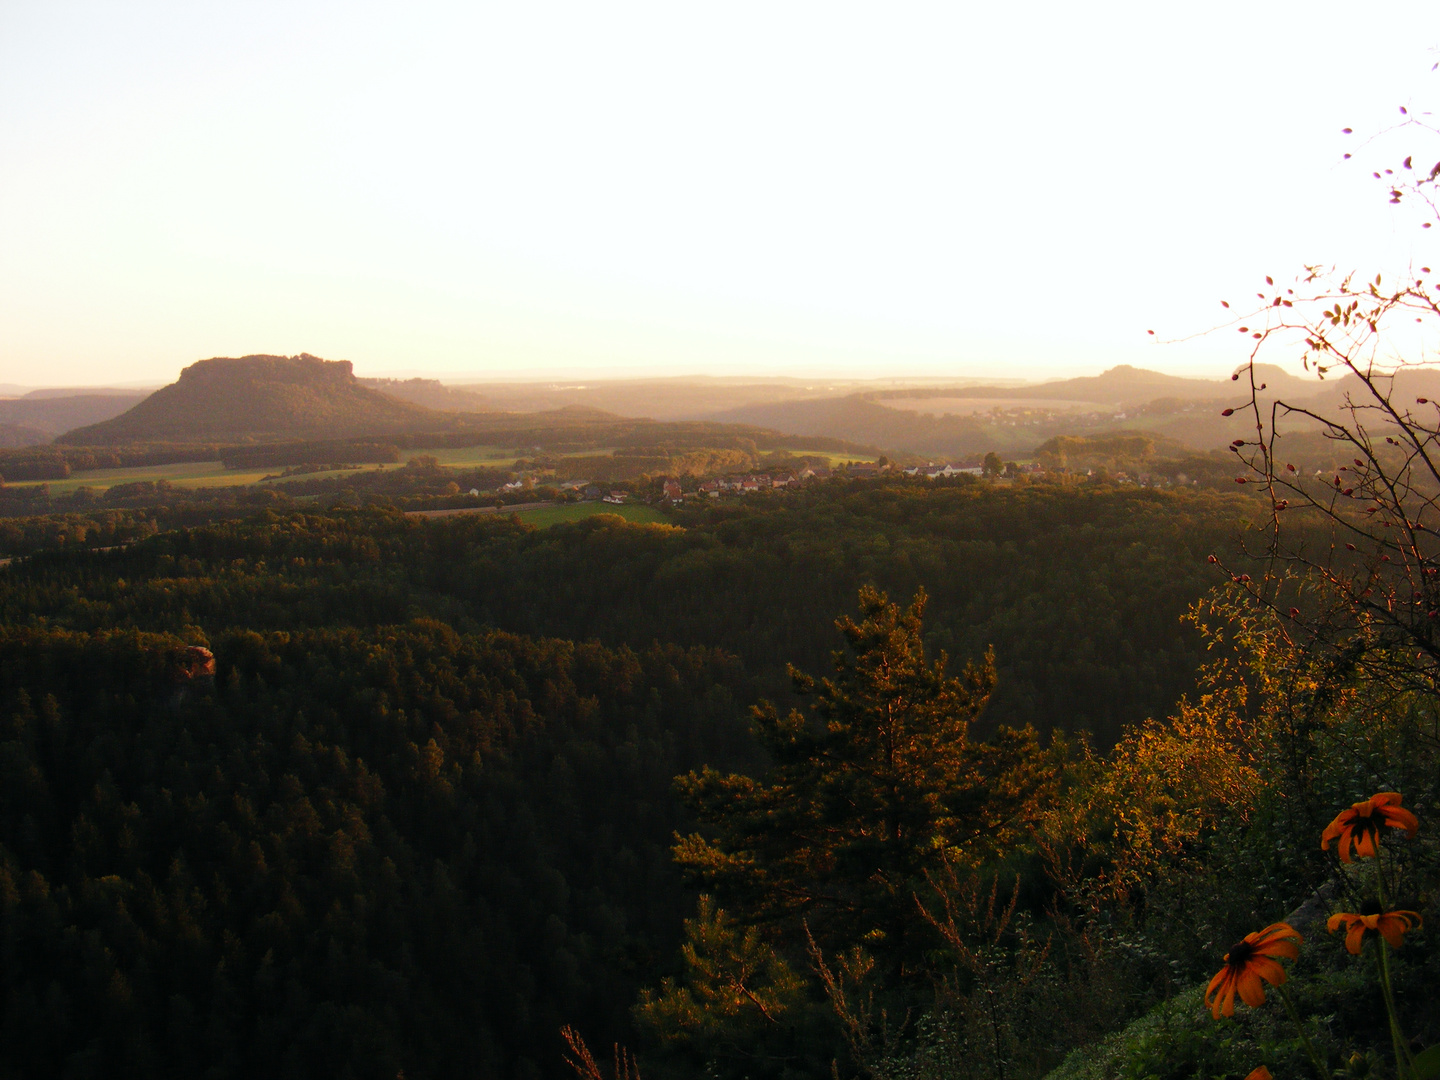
[584, 380]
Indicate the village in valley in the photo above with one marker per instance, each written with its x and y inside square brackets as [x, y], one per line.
[676, 490]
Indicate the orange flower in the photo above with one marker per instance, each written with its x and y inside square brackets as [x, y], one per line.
[1359, 827]
[1391, 925]
[1247, 963]
[1262, 1073]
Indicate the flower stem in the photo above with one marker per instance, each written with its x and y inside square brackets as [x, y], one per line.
[1404, 1063]
[1380, 876]
[1320, 1065]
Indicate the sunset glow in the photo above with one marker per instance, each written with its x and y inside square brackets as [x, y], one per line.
[521, 190]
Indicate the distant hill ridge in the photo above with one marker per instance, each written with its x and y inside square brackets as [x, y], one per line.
[1120, 386]
[1186, 409]
[260, 398]
[433, 394]
[269, 399]
[310, 403]
[16, 435]
[39, 416]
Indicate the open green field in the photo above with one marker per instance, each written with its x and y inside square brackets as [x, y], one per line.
[555, 515]
[466, 457]
[195, 474]
[833, 457]
[190, 474]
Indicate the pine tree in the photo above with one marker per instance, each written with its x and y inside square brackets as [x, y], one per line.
[878, 785]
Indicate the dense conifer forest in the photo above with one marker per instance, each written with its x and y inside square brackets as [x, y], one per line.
[1080, 592]
[421, 814]
[337, 791]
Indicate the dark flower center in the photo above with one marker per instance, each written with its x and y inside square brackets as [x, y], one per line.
[1366, 826]
[1371, 907]
[1240, 954]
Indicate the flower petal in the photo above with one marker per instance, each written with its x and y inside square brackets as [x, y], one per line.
[1225, 1004]
[1333, 830]
[1267, 969]
[1396, 924]
[1280, 929]
[1222, 989]
[1400, 818]
[1216, 984]
[1252, 990]
[1277, 939]
[1355, 937]
[1279, 947]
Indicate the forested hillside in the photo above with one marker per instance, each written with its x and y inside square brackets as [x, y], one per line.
[265, 397]
[1079, 591]
[386, 835]
[50, 415]
[424, 807]
[351, 853]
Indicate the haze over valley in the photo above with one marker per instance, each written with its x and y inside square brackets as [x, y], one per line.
[926, 415]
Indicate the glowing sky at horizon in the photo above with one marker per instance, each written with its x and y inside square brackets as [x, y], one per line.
[581, 190]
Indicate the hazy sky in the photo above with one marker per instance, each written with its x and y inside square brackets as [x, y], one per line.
[531, 189]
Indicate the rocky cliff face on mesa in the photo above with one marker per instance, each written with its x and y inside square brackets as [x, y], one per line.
[259, 398]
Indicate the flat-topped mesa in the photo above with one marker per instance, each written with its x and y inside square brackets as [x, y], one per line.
[260, 398]
[303, 367]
